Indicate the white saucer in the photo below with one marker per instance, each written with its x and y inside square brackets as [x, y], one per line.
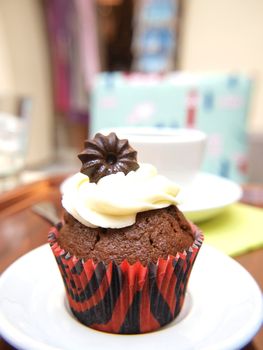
[207, 196]
[222, 310]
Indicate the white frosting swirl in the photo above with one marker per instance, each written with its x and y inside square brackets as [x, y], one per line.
[116, 199]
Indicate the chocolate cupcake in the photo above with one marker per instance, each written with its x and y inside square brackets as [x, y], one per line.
[124, 250]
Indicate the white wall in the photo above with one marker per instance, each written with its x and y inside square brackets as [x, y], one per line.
[25, 69]
[226, 35]
[6, 80]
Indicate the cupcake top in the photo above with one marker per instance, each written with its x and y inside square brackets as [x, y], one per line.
[117, 209]
[112, 188]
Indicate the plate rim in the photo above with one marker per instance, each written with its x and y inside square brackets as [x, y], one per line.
[237, 193]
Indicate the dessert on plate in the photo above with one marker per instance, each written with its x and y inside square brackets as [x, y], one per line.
[124, 250]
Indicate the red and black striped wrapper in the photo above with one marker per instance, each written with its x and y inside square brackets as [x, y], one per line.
[125, 298]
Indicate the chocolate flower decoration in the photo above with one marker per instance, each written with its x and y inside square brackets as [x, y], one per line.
[105, 155]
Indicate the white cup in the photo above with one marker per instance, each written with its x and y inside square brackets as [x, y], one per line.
[176, 153]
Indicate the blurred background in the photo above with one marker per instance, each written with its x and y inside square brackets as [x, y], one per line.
[71, 67]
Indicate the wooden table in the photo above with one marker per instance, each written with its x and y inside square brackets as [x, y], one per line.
[21, 230]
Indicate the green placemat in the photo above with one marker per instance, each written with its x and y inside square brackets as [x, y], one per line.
[235, 231]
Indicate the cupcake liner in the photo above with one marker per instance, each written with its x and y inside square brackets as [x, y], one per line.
[125, 298]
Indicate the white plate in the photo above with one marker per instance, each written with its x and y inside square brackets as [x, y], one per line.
[207, 196]
[222, 310]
